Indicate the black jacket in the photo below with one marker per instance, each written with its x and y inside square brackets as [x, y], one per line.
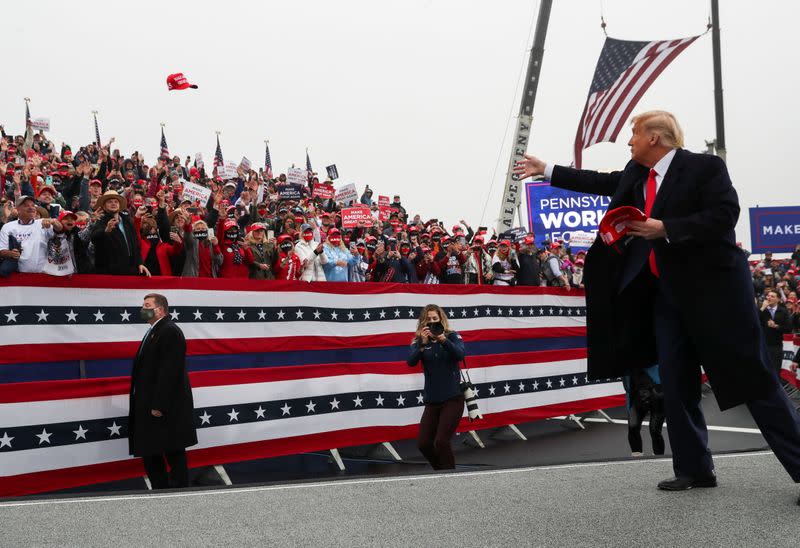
[529, 270]
[699, 208]
[440, 365]
[159, 381]
[113, 253]
[772, 336]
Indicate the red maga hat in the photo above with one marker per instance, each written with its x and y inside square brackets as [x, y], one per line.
[178, 81]
[615, 225]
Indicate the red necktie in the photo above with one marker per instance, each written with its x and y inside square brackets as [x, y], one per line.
[649, 199]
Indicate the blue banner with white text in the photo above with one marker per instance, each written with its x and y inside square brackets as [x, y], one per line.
[555, 213]
[774, 229]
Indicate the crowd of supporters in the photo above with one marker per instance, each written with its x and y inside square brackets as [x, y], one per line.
[94, 210]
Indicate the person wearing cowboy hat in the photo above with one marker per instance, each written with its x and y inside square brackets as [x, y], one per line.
[114, 237]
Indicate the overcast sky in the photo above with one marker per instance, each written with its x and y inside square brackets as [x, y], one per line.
[411, 97]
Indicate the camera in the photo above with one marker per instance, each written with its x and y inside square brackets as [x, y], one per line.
[471, 400]
[436, 328]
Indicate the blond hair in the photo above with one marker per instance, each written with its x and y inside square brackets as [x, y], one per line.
[422, 321]
[663, 124]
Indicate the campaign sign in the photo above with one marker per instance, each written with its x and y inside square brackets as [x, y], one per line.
[555, 213]
[351, 216]
[290, 192]
[347, 193]
[383, 200]
[196, 193]
[384, 212]
[40, 124]
[774, 229]
[333, 173]
[245, 164]
[326, 192]
[296, 176]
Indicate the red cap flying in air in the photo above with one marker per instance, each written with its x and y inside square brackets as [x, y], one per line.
[178, 81]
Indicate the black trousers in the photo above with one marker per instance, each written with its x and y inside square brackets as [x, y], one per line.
[436, 428]
[679, 367]
[636, 415]
[157, 471]
[776, 357]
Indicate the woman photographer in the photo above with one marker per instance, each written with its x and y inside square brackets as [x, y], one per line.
[440, 350]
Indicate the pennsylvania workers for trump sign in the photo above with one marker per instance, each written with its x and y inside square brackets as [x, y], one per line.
[774, 229]
[554, 213]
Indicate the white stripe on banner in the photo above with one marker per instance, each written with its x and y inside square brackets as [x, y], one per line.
[24, 334]
[52, 296]
[106, 407]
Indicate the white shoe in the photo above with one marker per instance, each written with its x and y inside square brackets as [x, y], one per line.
[637, 454]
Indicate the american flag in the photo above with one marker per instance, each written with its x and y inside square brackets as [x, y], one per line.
[218, 161]
[268, 162]
[624, 71]
[308, 165]
[276, 369]
[96, 130]
[164, 147]
[27, 115]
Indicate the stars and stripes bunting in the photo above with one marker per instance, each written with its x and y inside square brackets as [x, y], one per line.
[276, 368]
[164, 147]
[625, 70]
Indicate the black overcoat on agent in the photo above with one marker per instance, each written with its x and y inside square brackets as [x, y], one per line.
[159, 381]
[701, 269]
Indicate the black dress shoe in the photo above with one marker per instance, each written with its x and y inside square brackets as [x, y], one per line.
[684, 483]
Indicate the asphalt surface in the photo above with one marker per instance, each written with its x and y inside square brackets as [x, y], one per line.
[590, 504]
[549, 442]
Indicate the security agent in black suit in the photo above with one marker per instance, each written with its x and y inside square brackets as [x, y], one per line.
[775, 321]
[160, 420]
[640, 314]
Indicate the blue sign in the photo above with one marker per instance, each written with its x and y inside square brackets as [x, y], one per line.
[554, 213]
[774, 229]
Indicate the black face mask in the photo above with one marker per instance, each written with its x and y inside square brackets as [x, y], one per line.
[232, 235]
[152, 237]
[286, 247]
[371, 247]
[201, 234]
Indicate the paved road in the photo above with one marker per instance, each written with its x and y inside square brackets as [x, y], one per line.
[599, 504]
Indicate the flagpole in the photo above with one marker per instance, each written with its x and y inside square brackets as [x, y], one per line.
[513, 189]
[718, 110]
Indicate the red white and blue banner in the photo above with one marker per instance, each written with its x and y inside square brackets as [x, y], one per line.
[791, 343]
[276, 368]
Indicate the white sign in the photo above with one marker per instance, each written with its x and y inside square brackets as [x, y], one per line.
[196, 193]
[347, 193]
[40, 124]
[198, 160]
[245, 164]
[228, 171]
[580, 238]
[296, 176]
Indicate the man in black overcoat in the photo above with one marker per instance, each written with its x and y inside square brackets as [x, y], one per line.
[679, 295]
[775, 322]
[160, 419]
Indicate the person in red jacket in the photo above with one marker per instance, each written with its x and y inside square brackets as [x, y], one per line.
[288, 265]
[236, 258]
[156, 254]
